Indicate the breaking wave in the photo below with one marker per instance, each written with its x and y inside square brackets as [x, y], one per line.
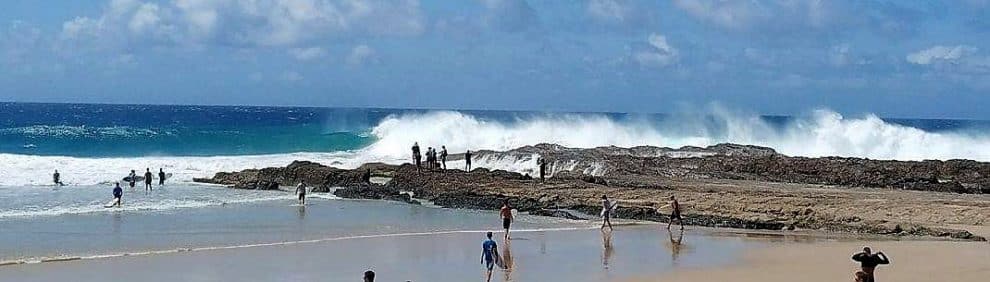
[821, 133]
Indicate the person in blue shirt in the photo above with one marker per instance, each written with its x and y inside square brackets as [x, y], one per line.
[489, 253]
[117, 194]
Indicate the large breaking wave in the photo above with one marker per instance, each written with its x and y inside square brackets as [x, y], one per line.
[821, 133]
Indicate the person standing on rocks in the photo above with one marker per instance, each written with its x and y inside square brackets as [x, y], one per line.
[489, 253]
[443, 157]
[869, 261]
[467, 161]
[416, 156]
[429, 158]
[301, 191]
[506, 214]
[543, 168]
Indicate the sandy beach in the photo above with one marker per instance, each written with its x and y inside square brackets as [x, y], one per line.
[911, 261]
[552, 255]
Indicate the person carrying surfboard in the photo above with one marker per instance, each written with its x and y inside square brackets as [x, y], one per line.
[489, 255]
[132, 178]
[506, 213]
[161, 177]
[607, 208]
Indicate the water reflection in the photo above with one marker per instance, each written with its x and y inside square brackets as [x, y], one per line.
[607, 249]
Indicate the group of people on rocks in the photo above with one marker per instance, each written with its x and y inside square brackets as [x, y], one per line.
[436, 160]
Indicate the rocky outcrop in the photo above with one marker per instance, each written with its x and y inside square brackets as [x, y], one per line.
[720, 186]
[322, 178]
[741, 162]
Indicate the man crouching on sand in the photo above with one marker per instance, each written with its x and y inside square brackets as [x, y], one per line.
[869, 261]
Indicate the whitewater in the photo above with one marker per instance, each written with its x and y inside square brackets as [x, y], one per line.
[821, 133]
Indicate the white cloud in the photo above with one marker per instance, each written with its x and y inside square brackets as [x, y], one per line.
[777, 15]
[251, 23]
[307, 54]
[360, 55]
[614, 11]
[940, 53]
[729, 14]
[658, 54]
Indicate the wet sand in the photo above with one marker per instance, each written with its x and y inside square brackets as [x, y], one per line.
[911, 261]
[573, 255]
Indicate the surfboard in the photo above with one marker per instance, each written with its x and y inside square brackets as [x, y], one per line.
[500, 262]
[611, 210]
[112, 203]
[138, 178]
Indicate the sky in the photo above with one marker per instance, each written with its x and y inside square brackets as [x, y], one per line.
[905, 58]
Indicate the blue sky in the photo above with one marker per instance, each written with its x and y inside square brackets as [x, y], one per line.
[895, 58]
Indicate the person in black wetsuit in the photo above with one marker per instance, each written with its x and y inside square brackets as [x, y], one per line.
[369, 276]
[467, 160]
[417, 157]
[869, 261]
[429, 158]
[147, 179]
[161, 177]
[543, 168]
[57, 178]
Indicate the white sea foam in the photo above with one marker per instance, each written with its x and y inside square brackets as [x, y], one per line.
[27, 201]
[822, 133]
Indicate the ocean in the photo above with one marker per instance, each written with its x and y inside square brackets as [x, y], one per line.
[98, 144]
[93, 146]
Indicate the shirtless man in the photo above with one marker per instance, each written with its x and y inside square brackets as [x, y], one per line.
[506, 214]
[675, 213]
[869, 261]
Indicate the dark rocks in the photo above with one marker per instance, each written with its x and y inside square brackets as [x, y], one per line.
[555, 213]
[645, 176]
[374, 192]
[742, 162]
[318, 176]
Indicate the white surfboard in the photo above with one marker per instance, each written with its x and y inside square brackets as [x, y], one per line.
[610, 210]
[112, 203]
